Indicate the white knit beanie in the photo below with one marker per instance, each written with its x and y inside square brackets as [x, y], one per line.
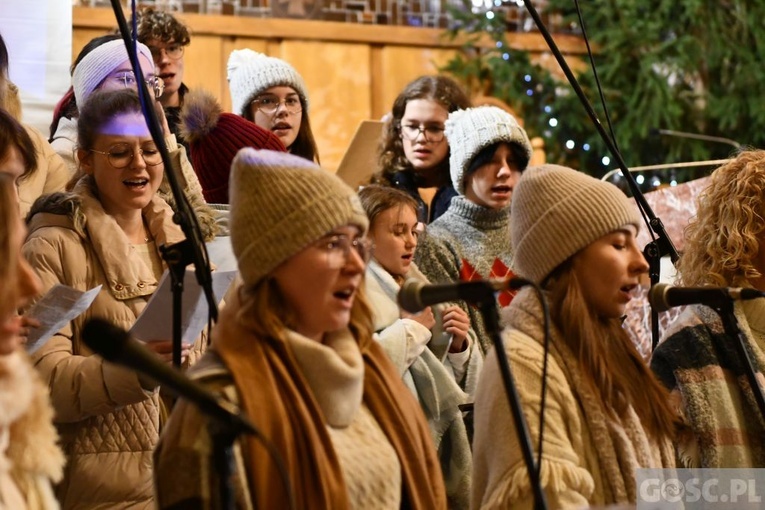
[98, 64]
[250, 73]
[281, 203]
[472, 130]
[557, 211]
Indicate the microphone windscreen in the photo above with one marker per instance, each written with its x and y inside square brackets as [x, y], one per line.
[104, 338]
[409, 296]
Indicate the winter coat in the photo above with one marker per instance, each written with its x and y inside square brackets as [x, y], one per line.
[109, 423]
[30, 459]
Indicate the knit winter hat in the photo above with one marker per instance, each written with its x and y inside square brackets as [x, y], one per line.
[471, 130]
[557, 211]
[281, 203]
[250, 73]
[214, 138]
[98, 64]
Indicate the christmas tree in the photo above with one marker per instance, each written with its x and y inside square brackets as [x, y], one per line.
[680, 65]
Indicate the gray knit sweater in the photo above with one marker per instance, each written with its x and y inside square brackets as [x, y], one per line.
[468, 242]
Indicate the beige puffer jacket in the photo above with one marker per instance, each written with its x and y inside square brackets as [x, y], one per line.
[108, 423]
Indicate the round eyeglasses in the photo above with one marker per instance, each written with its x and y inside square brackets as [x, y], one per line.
[270, 104]
[155, 83]
[122, 154]
[434, 134]
[173, 52]
[337, 248]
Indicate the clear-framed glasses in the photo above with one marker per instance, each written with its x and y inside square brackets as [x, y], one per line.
[155, 83]
[270, 104]
[121, 155]
[173, 52]
[434, 134]
[337, 248]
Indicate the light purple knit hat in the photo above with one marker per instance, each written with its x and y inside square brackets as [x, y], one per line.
[98, 64]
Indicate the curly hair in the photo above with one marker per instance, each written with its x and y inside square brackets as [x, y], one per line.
[160, 25]
[723, 239]
[437, 88]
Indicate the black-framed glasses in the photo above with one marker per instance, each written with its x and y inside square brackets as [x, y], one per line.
[337, 248]
[270, 104]
[434, 134]
[121, 155]
[155, 83]
[173, 52]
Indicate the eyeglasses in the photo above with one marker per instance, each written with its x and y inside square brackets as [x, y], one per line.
[122, 154]
[337, 248]
[155, 83]
[270, 104]
[173, 52]
[434, 134]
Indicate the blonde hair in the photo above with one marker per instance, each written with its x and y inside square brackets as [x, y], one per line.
[265, 312]
[9, 253]
[723, 239]
[607, 356]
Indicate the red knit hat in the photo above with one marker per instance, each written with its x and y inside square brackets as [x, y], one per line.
[214, 138]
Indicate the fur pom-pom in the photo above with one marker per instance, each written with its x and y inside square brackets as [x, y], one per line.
[199, 115]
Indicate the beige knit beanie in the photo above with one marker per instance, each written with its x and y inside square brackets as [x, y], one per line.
[557, 211]
[281, 203]
[471, 130]
[249, 73]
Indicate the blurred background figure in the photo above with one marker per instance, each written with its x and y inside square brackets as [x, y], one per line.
[294, 350]
[414, 152]
[44, 171]
[30, 459]
[106, 232]
[269, 92]
[166, 37]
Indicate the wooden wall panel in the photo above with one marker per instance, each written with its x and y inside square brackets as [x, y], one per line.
[203, 67]
[337, 76]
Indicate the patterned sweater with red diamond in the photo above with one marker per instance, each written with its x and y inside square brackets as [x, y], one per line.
[468, 242]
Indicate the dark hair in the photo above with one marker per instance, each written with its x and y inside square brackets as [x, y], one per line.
[4, 59]
[376, 199]
[486, 155]
[100, 108]
[304, 144]
[436, 88]
[13, 134]
[163, 26]
[67, 105]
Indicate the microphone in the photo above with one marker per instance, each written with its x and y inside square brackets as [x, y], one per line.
[416, 295]
[115, 344]
[663, 296]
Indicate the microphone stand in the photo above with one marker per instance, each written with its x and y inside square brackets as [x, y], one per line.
[660, 246]
[725, 311]
[193, 249]
[488, 307]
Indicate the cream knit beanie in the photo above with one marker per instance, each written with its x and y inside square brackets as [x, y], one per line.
[98, 64]
[557, 211]
[472, 130]
[250, 73]
[281, 203]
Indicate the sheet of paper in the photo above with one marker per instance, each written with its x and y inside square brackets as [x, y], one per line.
[59, 306]
[156, 321]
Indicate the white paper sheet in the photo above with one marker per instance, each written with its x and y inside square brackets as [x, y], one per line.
[156, 321]
[59, 306]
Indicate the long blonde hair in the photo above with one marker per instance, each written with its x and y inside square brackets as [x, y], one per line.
[723, 239]
[608, 358]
